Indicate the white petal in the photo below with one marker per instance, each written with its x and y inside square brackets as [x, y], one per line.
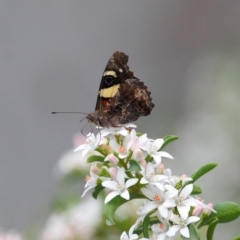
[148, 207]
[112, 185]
[80, 147]
[186, 191]
[169, 203]
[166, 155]
[191, 202]
[157, 158]
[85, 151]
[150, 169]
[87, 189]
[185, 232]
[160, 186]
[192, 219]
[121, 176]
[172, 230]
[158, 178]
[161, 236]
[157, 144]
[124, 236]
[131, 182]
[163, 211]
[183, 211]
[185, 180]
[125, 195]
[149, 193]
[171, 193]
[144, 180]
[110, 196]
[134, 236]
[130, 125]
[123, 132]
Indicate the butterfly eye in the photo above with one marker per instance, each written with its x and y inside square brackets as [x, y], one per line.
[109, 80]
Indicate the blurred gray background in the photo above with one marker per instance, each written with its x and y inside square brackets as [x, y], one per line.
[52, 55]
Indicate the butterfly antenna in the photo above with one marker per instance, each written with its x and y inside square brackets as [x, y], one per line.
[68, 112]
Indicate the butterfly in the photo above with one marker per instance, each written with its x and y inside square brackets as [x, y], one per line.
[122, 97]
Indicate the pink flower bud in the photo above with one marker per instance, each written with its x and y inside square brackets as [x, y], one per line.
[113, 172]
[143, 163]
[112, 159]
[160, 169]
[197, 211]
[137, 155]
[95, 169]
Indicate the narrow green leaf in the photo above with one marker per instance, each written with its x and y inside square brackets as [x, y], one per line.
[168, 139]
[193, 233]
[196, 190]
[95, 158]
[97, 190]
[211, 229]
[111, 207]
[134, 166]
[226, 212]
[145, 226]
[203, 170]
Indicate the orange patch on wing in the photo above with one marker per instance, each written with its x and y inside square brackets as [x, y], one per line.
[104, 103]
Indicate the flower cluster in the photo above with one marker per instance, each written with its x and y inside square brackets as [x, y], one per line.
[77, 222]
[129, 165]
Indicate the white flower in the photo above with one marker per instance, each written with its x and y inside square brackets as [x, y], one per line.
[91, 144]
[91, 181]
[122, 130]
[149, 177]
[181, 224]
[153, 149]
[119, 187]
[130, 235]
[184, 201]
[163, 231]
[162, 200]
[74, 223]
[122, 150]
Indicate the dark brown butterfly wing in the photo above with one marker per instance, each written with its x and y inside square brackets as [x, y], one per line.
[122, 98]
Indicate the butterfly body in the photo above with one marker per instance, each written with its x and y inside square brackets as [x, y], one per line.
[122, 97]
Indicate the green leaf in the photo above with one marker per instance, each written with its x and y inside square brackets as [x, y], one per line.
[97, 190]
[211, 229]
[193, 233]
[145, 226]
[203, 170]
[111, 207]
[95, 158]
[226, 212]
[196, 190]
[134, 166]
[237, 238]
[168, 139]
